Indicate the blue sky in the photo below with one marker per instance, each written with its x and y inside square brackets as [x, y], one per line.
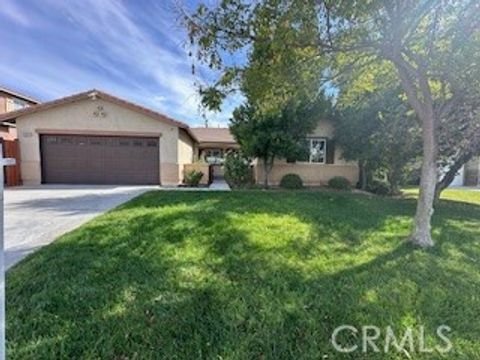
[132, 49]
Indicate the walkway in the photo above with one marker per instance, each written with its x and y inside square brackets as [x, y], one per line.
[219, 184]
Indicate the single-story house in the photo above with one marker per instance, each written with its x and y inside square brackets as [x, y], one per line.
[469, 174]
[97, 138]
[323, 162]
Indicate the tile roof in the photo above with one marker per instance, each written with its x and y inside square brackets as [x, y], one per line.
[91, 94]
[213, 135]
[18, 95]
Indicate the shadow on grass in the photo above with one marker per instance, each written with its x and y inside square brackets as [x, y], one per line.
[240, 276]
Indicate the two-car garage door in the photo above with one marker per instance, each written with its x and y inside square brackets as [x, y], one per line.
[78, 159]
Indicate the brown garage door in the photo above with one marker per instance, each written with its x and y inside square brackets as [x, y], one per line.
[76, 159]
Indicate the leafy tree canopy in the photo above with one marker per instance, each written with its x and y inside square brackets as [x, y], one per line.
[432, 45]
[269, 135]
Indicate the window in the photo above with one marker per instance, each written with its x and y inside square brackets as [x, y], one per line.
[317, 151]
[15, 104]
[214, 156]
[64, 140]
[95, 141]
[216, 153]
[51, 140]
[19, 104]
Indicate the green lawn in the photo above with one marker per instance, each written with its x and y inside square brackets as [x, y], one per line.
[462, 195]
[246, 275]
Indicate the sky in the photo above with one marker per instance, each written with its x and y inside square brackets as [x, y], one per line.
[134, 49]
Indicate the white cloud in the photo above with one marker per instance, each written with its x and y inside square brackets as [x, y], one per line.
[159, 99]
[134, 55]
[110, 24]
[9, 9]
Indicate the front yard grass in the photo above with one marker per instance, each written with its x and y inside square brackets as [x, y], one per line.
[246, 275]
[468, 195]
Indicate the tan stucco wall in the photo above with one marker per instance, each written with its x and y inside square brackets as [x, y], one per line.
[3, 104]
[203, 167]
[8, 133]
[185, 151]
[79, 118]
[312, 174]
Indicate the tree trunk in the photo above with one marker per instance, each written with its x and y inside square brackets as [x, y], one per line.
[267, 167]
[417, 88]
[363, 175]
[392, 181]
[421, 234]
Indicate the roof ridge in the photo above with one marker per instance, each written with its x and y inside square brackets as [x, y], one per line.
[212, 135]
[18, 94]
[85, 94]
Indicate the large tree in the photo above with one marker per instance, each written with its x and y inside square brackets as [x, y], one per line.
[263, 50]
[379, 131]
[459, 137]
[363, 88]
[276, 72]
[271, 135]
[421, 38]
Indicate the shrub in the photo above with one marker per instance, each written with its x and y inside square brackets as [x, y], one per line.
[237, 170]
[193, 177]
[379, 187]
[339, 183]
[412, 175]
[291, 181]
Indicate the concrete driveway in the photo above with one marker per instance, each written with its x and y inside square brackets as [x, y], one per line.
[35, 216]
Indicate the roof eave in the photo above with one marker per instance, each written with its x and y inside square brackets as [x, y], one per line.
[13, 115]
[18, 95]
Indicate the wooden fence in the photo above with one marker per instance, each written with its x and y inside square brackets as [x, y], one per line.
[12, 175]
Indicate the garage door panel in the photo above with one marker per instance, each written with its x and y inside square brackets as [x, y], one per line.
[76, 159]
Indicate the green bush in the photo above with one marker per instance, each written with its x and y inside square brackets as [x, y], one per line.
[339, 183]
[291, 181]
[193, 177]
[237, 170]
[412, 175]
[379, 187]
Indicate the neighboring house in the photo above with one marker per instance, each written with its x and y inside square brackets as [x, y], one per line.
[469, 174]
[97, 138]
[11, 101]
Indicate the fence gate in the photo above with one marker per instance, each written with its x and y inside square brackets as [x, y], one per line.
[12, 175]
